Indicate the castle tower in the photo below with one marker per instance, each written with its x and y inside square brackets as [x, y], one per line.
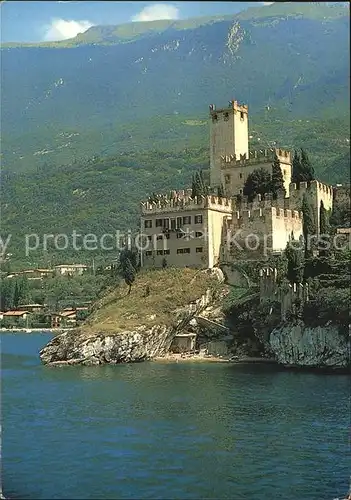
[229, 135]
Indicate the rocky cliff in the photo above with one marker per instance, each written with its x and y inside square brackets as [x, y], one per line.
[299, 345]
[102, 340]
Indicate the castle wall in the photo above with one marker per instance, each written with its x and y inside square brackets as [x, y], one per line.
[234, 172]
[184, 231]
[261, 231]
[284, 224]
[316, 192]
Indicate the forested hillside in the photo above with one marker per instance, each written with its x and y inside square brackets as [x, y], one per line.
[92, 125]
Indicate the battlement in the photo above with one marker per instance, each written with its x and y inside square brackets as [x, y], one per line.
[264, 201]
[312, 186]
[181, 200]
[256, 157]
[266, 213]
[233, 106]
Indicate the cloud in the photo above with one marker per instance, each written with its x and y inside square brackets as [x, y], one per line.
[60, 29]
[267, 3]
[158, 11]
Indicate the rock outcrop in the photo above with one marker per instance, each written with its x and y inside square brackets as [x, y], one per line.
[139, 344]
[304, 346]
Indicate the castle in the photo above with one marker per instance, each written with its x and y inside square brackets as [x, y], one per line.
[204, 231]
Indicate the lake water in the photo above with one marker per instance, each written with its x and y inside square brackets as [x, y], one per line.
[170, 431]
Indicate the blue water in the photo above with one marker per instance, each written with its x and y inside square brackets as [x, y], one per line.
[174, 431]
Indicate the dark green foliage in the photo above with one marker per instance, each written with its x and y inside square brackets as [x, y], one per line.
[296, 168]
[220, 191]
[295, 264]
[258, 182]
[128, 273]
[308, 226]
[198, 185]
[307, 170]
[277, 181]
[130, 255]
[302, 169]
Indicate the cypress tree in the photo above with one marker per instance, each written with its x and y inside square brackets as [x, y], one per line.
[277, 182]
[295, 263]
[308, 225]
[307, 171]
[296, 168]
[128, 273]
[16, 295]
[220, 191]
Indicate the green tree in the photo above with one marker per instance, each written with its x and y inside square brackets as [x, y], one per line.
[16, 295]
[307, 171]
[220, 191]
[308, 225]
[128, 273]
[258, 182]
[296, 168]
[277, 181]
[295, 266]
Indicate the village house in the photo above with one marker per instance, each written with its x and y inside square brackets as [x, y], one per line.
[70, 269]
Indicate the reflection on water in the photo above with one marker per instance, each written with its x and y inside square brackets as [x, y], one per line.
[168, 430]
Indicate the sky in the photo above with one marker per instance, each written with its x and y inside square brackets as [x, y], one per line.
[27, 21]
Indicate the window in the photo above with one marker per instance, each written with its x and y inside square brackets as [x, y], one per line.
[183, 250]
[226, 116]
[187, 219]
[198, 234]
[159, 252]
[198, 219]
[148, 224]
[284, 173]
[166, 252]
[180, 235]
[149, 237]
[173, 223]
[241, 115]
[179, 222]
[227, 179]
[167, 235]
[240, 191]
[159, 222]
[199, 250]
[241, 176]
[159, 237]
[166, 223]
[148, 253]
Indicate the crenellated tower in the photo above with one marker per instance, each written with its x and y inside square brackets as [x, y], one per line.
[229, 135]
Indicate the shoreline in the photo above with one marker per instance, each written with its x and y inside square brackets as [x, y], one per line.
[195, 358]
[33, 330]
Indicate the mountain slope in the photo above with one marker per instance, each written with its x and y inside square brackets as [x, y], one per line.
[294, 63]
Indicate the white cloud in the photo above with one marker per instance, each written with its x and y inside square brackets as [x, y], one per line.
[267, 3]
[158, 11]
[60, 29]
